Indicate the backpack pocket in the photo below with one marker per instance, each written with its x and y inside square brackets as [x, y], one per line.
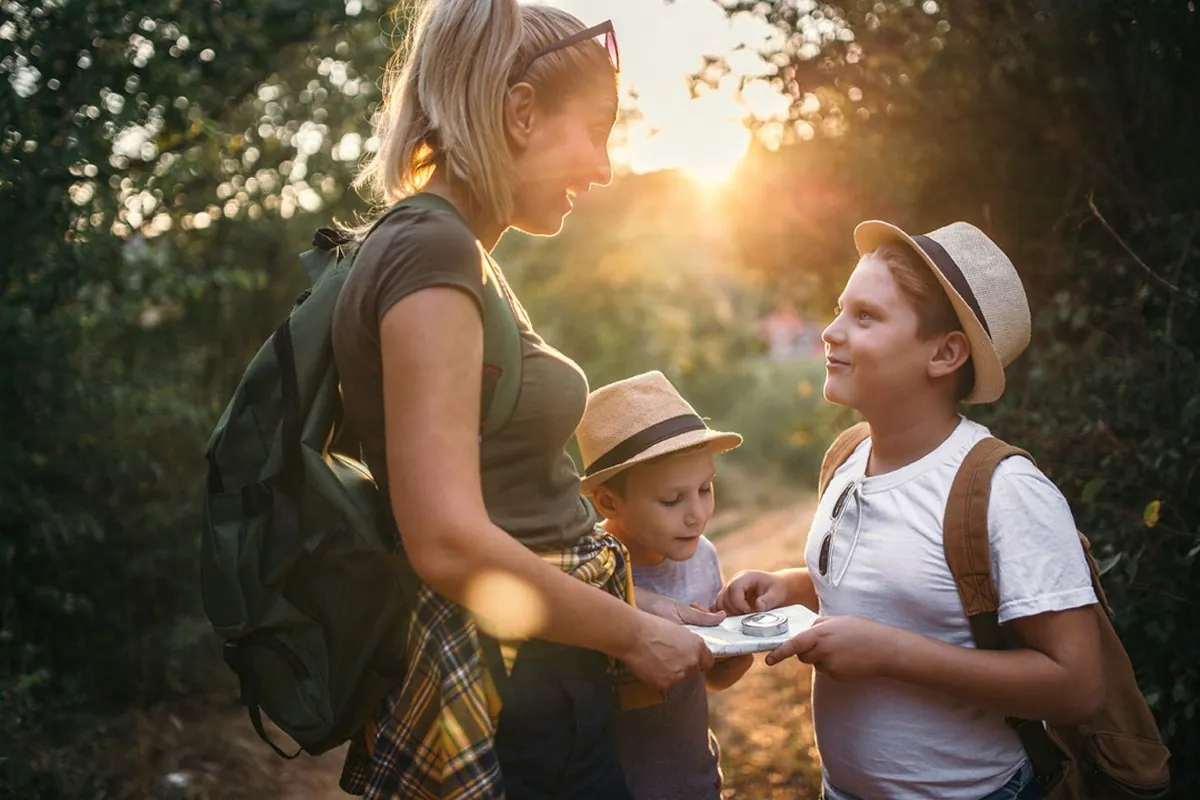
[278, 676]
[1126, 767]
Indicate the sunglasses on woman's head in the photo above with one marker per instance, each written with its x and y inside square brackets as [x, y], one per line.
[604, 29]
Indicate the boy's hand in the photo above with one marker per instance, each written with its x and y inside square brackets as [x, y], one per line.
[726, 672]
[675, 611]
[844, 648]
[752, 590]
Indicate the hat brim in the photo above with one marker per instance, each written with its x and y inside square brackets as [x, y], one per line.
[989, 369]
[717, 441]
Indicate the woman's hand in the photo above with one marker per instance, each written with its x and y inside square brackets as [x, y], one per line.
[663, 654]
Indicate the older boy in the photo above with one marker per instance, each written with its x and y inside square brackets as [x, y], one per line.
[903, 703]
[649, 469]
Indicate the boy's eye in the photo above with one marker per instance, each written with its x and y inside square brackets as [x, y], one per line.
[706, 488]
[865, 315]
[672, 502]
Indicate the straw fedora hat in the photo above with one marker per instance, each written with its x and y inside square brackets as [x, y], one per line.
[984, 287]
[635, 420]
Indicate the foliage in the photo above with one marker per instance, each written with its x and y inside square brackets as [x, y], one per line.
[1068, 131]
[159, 164]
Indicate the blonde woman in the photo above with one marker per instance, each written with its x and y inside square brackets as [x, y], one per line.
[503, 110]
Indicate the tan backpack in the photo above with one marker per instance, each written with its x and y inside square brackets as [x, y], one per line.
[1119, 754]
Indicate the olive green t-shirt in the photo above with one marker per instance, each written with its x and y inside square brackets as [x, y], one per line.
[530, 484]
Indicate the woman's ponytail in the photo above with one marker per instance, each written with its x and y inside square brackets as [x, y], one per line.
[443, 105]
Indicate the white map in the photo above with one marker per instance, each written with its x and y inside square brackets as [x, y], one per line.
[727, 639]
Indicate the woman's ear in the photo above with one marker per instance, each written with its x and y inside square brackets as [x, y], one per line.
[518, 114]
[951, 354]
[607, 502]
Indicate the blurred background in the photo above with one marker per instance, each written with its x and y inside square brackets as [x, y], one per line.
[162, 162]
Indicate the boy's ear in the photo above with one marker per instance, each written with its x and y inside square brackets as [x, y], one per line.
[951, 354]
[607, 502]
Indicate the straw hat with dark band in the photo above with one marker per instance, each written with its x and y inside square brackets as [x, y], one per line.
[984, 287]
[635, 420]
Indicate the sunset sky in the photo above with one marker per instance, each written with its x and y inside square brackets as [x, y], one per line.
[661, 46]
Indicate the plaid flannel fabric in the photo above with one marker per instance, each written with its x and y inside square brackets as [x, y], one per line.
[433, 739]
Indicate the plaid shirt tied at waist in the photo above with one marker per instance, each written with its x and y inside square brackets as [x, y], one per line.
[434, 736]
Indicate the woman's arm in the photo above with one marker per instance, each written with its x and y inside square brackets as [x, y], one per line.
[432, 346]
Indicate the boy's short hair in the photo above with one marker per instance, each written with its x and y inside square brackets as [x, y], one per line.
[935, 312]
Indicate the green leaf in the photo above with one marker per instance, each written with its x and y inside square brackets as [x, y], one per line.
[1105, 564]
[1092, 488]
[1151, 513]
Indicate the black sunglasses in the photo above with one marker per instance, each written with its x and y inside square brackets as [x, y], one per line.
[839, 508]
[604, 29]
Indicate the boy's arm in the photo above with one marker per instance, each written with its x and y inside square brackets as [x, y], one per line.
[1057, 677]
[725, 672]
[1045, 592]
[755, 590]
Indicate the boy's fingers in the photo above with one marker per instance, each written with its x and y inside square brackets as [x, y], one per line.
[735, 598]
[695, 615]
[798, 645]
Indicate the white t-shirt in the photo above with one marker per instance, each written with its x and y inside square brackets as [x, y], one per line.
[885, 739]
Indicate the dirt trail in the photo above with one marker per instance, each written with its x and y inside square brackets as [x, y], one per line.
[762, 722]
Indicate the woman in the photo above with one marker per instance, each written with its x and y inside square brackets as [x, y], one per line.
[504, 111]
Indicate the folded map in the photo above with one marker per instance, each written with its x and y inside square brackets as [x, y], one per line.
[727, 639]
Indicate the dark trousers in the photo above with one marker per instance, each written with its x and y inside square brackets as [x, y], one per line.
[554, 736]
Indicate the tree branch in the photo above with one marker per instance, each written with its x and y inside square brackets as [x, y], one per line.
[1096, 213]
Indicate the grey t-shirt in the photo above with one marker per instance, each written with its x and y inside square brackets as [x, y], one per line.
[667, 750]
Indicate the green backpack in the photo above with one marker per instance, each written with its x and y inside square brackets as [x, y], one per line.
[302, 573]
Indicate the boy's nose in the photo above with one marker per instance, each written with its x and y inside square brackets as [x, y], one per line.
[833, 332]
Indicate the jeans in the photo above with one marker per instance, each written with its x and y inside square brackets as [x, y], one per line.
[554, 739]
[1021, 786]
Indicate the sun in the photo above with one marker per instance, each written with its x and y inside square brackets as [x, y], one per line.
[704, 139]
[711, 157]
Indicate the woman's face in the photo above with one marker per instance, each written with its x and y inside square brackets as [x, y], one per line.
[559, 154]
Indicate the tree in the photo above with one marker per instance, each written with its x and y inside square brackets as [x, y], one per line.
[161, 163]
[1069, 131]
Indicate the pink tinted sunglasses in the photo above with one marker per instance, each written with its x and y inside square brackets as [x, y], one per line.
[604, 29]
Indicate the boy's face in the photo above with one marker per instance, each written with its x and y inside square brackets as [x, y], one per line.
[874, 356]
[665, 507]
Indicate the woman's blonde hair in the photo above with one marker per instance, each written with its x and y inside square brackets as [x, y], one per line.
[443, 97]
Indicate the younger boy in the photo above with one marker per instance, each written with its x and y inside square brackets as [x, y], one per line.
[649, 469]
[903, 703]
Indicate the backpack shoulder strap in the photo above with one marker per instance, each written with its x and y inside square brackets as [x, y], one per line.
[845, 444]
[502, 361]
[965, 538]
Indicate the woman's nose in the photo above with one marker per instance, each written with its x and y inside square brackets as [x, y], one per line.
[602, 174]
